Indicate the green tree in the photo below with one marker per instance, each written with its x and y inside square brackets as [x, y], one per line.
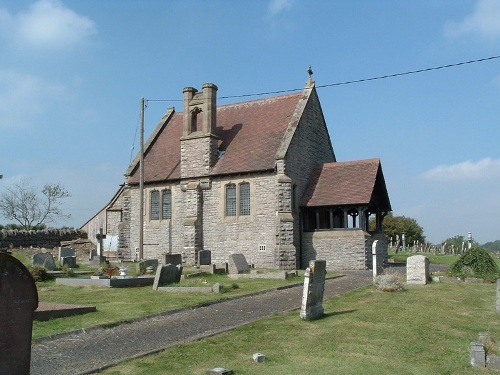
[492, 246]
[23, 204]
[393, 226]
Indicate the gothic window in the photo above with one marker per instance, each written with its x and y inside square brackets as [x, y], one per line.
[155, 205]
[245, 198]
[166, 201]
[231, 200]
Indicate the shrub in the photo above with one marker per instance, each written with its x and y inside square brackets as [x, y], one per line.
[389, 283]
[39, 273]
[475, 262]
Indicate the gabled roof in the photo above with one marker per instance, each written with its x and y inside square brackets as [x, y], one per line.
[250, 135]
[359, 182]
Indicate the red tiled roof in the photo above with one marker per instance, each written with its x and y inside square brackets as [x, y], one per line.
[346, 183]
[250, 134]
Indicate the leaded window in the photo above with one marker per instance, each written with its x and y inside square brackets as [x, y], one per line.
[231, 200]
[155, 205]
[166, 201]
[245, 198]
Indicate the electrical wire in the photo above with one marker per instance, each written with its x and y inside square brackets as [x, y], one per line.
[424, 70]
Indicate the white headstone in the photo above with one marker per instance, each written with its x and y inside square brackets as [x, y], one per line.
[417, 270]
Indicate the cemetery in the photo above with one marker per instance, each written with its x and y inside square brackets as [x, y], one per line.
[417, 273]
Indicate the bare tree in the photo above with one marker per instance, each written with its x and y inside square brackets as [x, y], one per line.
[29, 208]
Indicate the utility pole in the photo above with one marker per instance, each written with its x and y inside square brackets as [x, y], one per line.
[141, 186]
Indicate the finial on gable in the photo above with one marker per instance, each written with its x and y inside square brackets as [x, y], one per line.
[310, 82]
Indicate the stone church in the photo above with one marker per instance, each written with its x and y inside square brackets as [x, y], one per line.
[258, 177]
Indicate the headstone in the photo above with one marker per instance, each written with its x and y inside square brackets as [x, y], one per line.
[259, 357]
[377, 261]
[205, 257]
[65, 252]
[477, 354]
[219, 371]
[45, 260]
[18, 301]
[141, 266]
[167, 274]
[172, 259]
[498, 296]
[68, 261]
[417, 270]
[237, 264]
[314, 286]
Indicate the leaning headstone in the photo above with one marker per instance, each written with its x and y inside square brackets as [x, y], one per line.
[45, 260]
[477, 354]
[417, 270]
[237, 264]
[18, 301]
[498, 295]
[205, 257]
[314, 287]
[65, 252]
[377, 261]
[172, 259]
[167, 274]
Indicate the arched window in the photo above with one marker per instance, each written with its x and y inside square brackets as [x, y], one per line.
[155, 205]
[166, 201]
[231, 200]
[245, 198]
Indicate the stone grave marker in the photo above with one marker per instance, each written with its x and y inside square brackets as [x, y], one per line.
[237, 264]
[167, 274]
[377, 261]
[417, 270]
[68, 261]
[314, 287]
[66, 252]
[18, 301]
[205, 257]
[172, 259]
[45, 260]
[477, 354]
[143, 265]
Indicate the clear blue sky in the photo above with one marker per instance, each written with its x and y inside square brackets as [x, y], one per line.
[72, 74]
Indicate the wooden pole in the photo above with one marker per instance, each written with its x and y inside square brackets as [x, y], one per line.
[141, 186]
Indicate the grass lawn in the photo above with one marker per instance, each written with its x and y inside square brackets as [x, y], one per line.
[423, 330]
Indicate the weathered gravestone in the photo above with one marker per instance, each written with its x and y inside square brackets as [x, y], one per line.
[314, 287]
[477, 354]
[143, 265]
[172, 259]
[45, 260]
[65, 252]
[205, 257]
[417, 270]
[377, 261]
[68, 261]
[167, 274]
[237, 264]
[18, 301]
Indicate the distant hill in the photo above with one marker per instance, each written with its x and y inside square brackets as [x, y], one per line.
[495, 245]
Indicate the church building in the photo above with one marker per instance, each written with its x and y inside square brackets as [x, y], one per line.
[257, 177]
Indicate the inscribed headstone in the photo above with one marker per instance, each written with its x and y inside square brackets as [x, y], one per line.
[314, 287]
[65, 252]
[45, 260]
[477, 354]
[68, 261]
[167, 274]
[205, 257]
[417, 270]
[237, 264]
[377, 261]
[18, 301]
[172, 259]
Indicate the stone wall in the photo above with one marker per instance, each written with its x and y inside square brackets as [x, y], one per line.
[38, 238]
[342, 249]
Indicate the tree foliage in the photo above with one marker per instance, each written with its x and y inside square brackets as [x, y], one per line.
[492, 246]
[23, 204]
[393, 226]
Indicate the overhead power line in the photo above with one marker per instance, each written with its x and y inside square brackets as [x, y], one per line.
[424, 70]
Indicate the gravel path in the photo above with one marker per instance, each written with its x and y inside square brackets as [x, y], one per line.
[89, 352]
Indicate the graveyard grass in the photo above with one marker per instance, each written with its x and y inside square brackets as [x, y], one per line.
[423, 330]
[118, 305]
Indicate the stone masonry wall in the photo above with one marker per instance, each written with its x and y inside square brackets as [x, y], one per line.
[342, 249]
[38, 238]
